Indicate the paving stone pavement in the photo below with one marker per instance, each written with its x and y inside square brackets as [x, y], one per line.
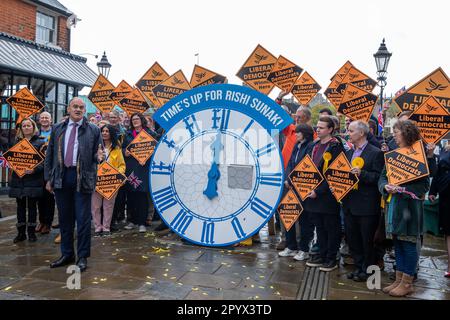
[129, 265]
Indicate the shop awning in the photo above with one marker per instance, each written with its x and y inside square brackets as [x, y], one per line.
[43, 61]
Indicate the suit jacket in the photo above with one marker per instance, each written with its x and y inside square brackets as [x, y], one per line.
[366, 200]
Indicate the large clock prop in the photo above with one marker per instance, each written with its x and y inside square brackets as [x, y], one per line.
[216, 176]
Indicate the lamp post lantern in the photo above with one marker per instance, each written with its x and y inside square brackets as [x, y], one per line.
[104, 66]
[382, 57]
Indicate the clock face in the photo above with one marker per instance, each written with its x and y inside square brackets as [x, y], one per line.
[216, 176]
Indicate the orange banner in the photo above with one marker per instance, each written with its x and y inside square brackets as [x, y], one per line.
[305, 88]
[284, 74]
[435, 84]
[109, 180]
[22, 157]
[432, 119]
[257, 68]
[203, 77]
[357, 104]
[406, 164]
[154, 76]
[134, 102]
[171, 87]
[339, 177]
[25, 103]
[142, 147]
[289, 209]
[100, 93]
[305, 177]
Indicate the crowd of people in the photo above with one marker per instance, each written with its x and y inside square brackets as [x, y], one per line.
[373, 211]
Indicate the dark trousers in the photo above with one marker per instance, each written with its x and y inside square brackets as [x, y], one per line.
[360, 232]
[46, 206]
[119, 205]
[137, 207]
[22, 205]
[306, 233]
[74, 207]
[328, 228]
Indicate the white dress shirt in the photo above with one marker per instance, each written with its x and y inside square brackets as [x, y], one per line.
[66, 140]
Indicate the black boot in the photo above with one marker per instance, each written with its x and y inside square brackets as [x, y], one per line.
[21, 235]
[32, 233]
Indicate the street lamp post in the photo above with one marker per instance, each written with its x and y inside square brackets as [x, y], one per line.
[382, 57]
[104, 66]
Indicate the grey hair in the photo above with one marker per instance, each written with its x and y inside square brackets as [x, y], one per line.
[306, 111]
[362, 126]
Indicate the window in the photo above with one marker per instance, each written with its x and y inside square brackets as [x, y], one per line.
[45, 29]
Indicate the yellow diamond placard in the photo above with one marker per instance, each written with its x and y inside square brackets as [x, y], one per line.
[289, 209]
[100, 94]
[22, 157]
[119, 92]
[284, 74]
[357, 104]
[203, 77]
[305, 88]
[142, 147]
[25, 103]
[257, 68]
[358, 79]
[109, 180]
[339, 177]
[173, 86]
[305, 177]
[154, 76]
[134, 102]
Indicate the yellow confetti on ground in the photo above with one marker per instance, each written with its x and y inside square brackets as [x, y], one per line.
[179, 283]
[165, 274]
[233, 282]
[47, 261]
[252, 285]
[204, 293]
[194, 289]
[341, 284]
[117, 250]
[121, 260]
[261, 287]
[103, 279]
[144, 257]
[256, 297]
[173, 278]
[94, 282]
[248, 278]
[149, 283]
[151, 278]
[262, 277]
[168, 263]
[7, 289]
[355, 297]
[278, 293]
[192, 270]
[244, 266]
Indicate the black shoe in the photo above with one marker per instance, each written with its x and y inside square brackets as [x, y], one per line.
[353, 274]
[162, 226]
[82, 264]
[63, 261]
[329, 266]
[361, 277]
[315, 261]
[20, 237]
[98, 234]
[32, 234]
[114, 227]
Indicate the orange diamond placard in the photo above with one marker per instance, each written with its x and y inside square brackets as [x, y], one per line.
[357, 104]
[100, 94]
[22, 157]
[154, 76]
[406, 164]
[339, 177]
[142, 147]
[175, 85]
[134, 102]
[25, 103]
[203, 77]
[433, 120]
[342, 72]
[305, 88]
[358, 79]
[284, 74]
[305, 177]
[257, 68]
[122, 89]
[109, 180]
[435, 84]
[289, 209]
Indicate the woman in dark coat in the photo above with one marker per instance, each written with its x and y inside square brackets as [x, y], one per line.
[138, 176]
[404, 215]
[441, 186]
[28, 189]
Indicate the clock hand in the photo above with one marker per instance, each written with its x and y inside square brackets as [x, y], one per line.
[214, 174]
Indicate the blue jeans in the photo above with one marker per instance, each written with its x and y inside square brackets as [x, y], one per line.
[406, 256]
[306, 233]
[74, 206]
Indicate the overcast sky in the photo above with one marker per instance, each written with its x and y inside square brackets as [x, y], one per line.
[318, 35]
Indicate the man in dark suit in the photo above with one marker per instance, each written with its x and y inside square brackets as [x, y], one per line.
[74, 150]
[362, 205]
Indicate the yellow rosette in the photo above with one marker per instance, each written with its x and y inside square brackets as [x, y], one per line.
[358, 162]
[326, 157]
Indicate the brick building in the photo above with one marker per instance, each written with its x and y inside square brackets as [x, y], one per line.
[35, 53]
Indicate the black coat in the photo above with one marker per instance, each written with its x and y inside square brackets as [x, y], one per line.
[366, 200]
[297, 155]
[88, 140]
[325, 202]
[30, 185]
[442, 180]
[133, 166]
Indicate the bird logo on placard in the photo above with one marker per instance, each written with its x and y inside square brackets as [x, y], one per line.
[259, 58]
[156, 73]
[340, 165]
[352, 76]
[22, 148]
[282, 64]
[435, 86]
[290, 198]
[101, 84]
[176, 81]
[429, 108]
[306, 166]
[351, 94]
[200, 76]
[105, 170]
[412, 152]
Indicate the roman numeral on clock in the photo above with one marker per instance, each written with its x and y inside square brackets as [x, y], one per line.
[208, 232]
[164, 199]
[271, 179]
[261, 208]
[237, 227]
[181, 221]
[267, 149]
